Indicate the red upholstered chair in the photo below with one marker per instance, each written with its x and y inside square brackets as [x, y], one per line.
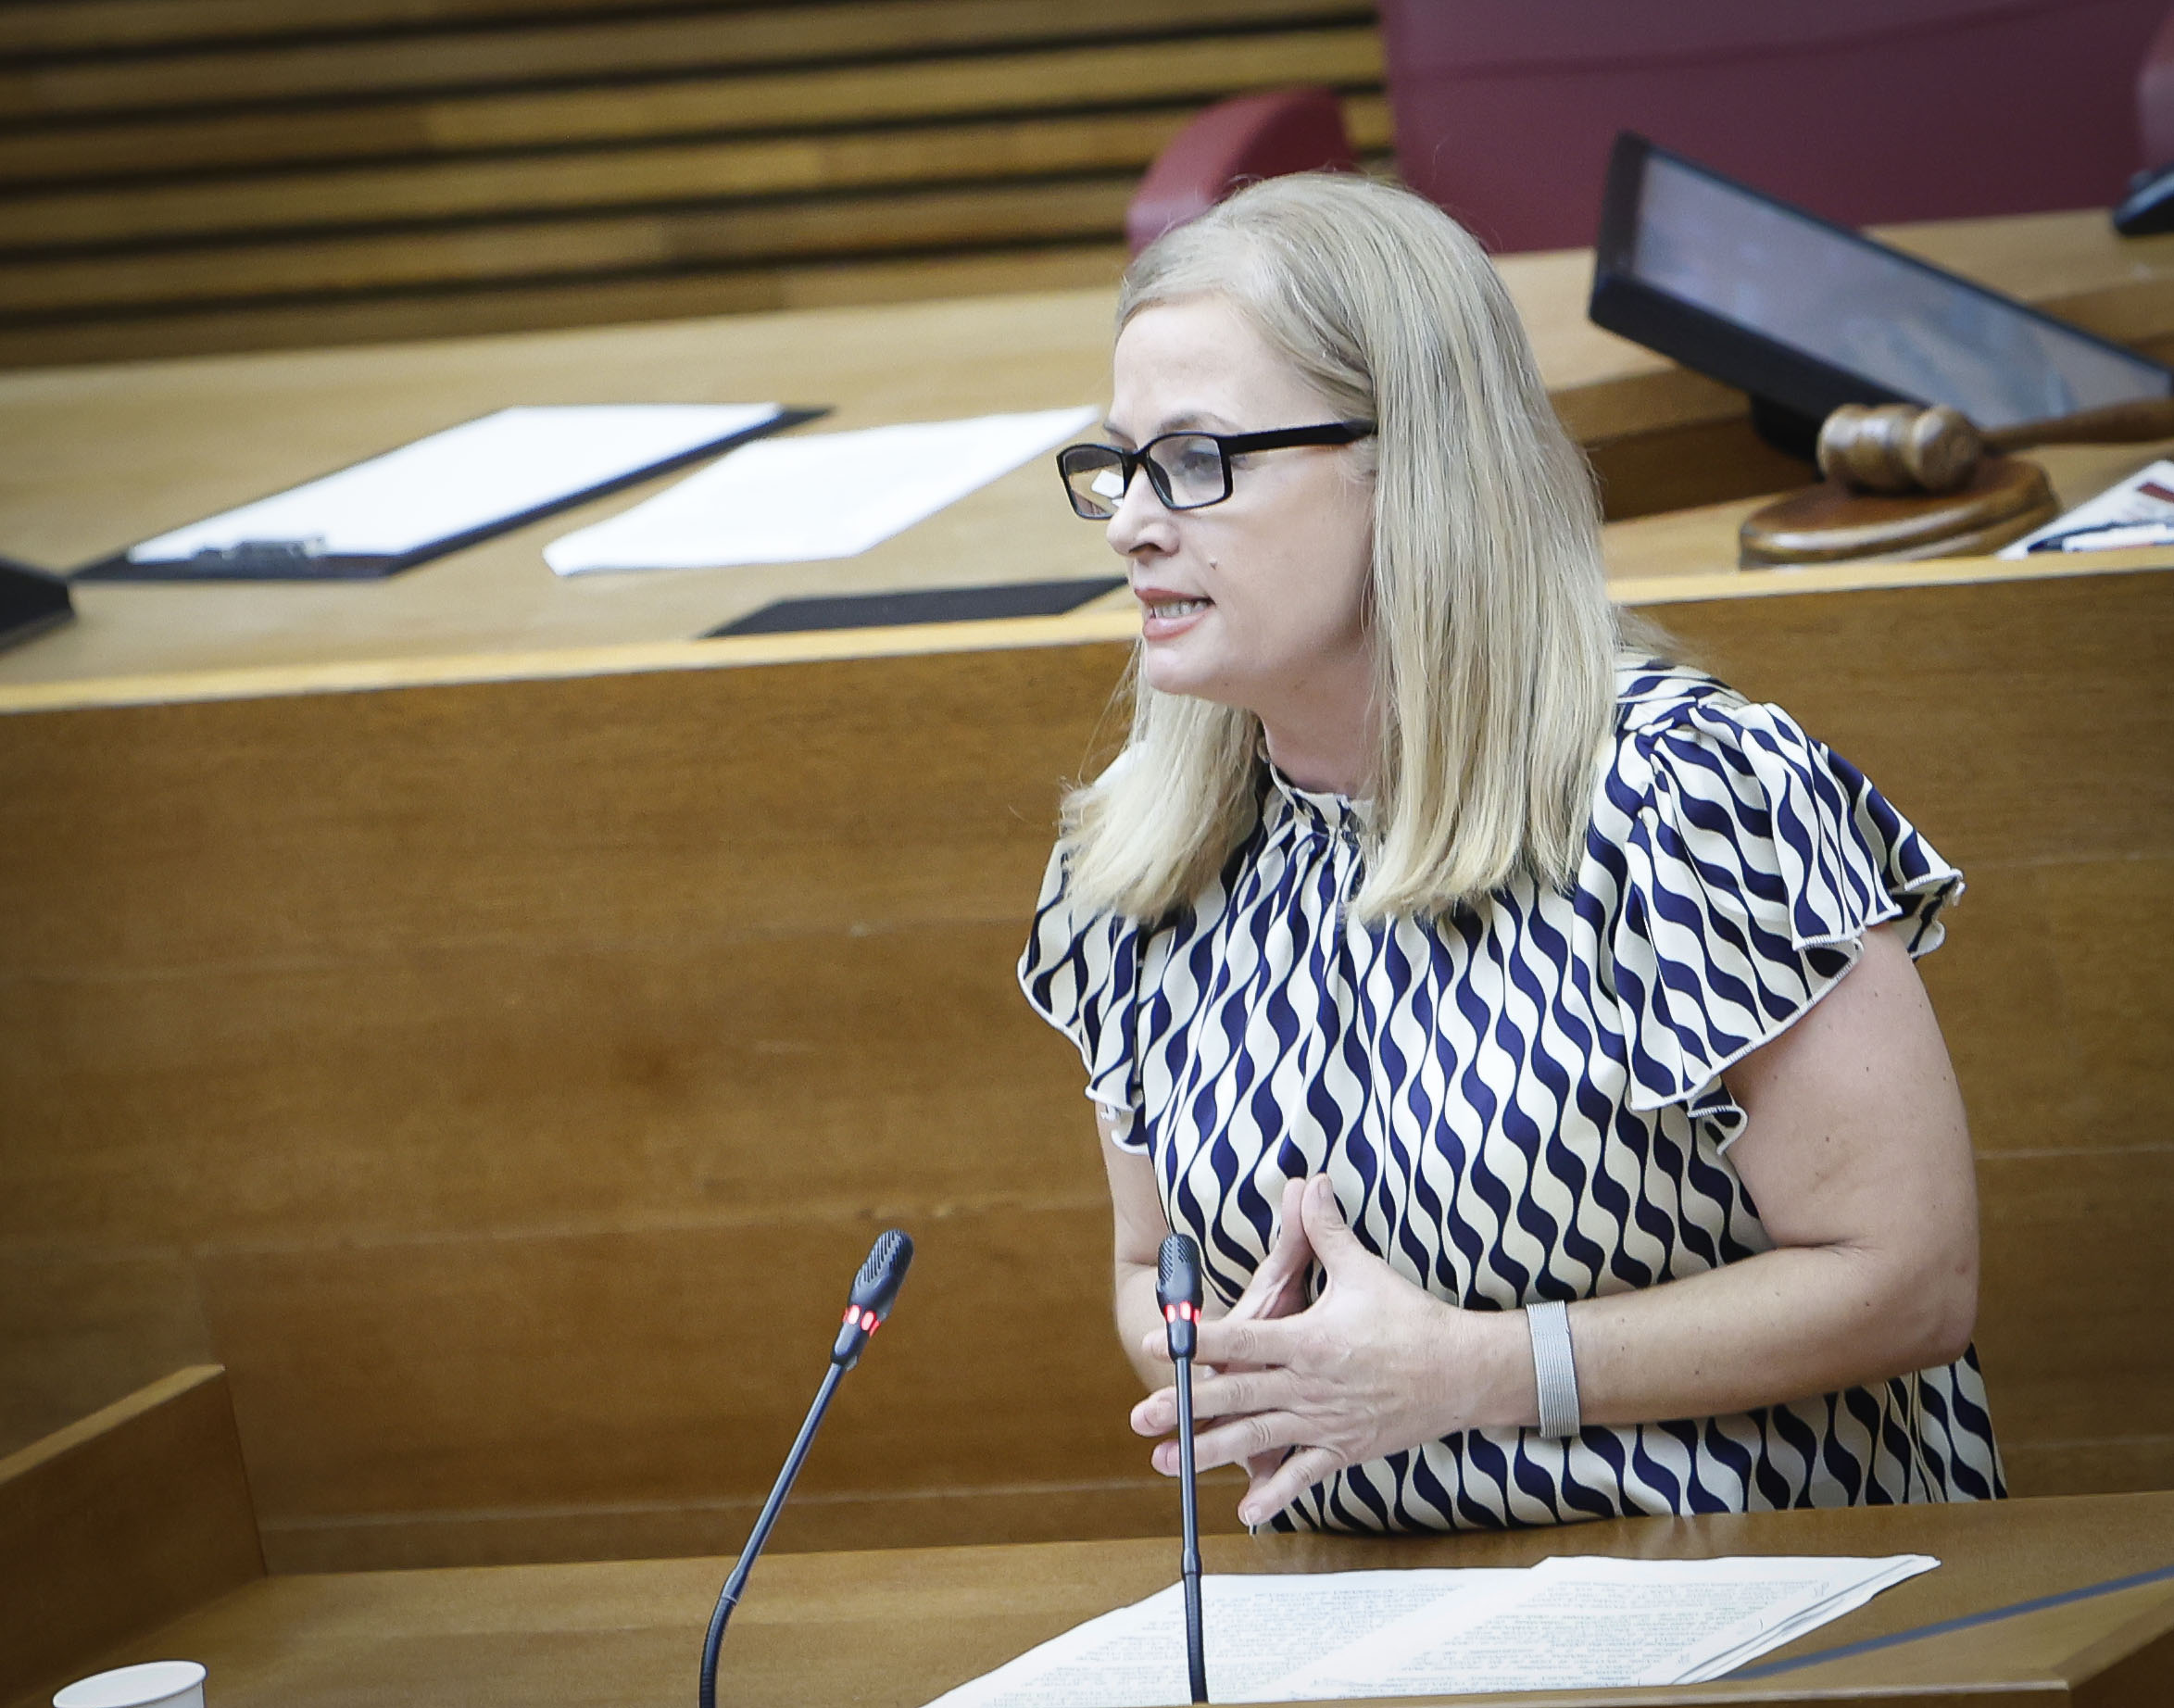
[1862, 110]
[1233, 143]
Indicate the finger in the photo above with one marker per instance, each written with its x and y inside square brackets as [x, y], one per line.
[1234, 1441]
[1290, 1479]
[1156, 1346]
[1327, 1230]
[1224, 1395]
[1275, 1281]
[1252, 1340]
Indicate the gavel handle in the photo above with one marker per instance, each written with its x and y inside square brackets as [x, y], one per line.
[2121, 423]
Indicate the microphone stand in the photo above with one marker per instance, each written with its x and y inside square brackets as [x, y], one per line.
[876, 1290]
[706, 1688]
[1188, 1559]
[1179, 1292]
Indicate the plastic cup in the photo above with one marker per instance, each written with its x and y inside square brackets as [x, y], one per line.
[155, 1684]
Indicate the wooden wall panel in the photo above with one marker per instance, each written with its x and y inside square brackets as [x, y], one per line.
[2020, 720]
[648, 1084]
[2027, 730]
[2115, 970]
[861, 794]
[655, 1363]
[461, 1047]
[1997, 985]
[82, 1320]
[2074, 1329]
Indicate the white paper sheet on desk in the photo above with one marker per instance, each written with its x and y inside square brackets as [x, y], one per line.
[2145, 499]
[1592, 1623]
[1571, 1623]
[1256, 1631]
[467, 477]
[831, 494]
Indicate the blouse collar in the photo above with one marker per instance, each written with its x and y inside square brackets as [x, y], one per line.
[1321, 809]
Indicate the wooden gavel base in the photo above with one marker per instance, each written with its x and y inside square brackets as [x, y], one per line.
[1828, 523]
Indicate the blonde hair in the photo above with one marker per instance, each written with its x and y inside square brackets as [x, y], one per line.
[1493, 637]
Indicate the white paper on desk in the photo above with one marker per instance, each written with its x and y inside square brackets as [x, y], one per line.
[2145, 497]
[1594, 1622]
[1256, 1630]
[467, 477]
[1572, 1623]
[831, 494]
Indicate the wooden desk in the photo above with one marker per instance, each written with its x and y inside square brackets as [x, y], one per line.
[429, 998]
[93, 459]
[899, 1627]
[438, 1055]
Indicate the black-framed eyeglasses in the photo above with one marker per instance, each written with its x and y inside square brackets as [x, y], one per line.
[1189, 471]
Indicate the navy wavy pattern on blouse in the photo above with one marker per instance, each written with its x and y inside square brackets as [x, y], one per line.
[1524, 1102]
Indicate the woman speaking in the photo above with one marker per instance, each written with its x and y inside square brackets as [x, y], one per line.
[1524, 1023]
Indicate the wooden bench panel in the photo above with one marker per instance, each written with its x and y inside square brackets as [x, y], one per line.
[297, 323]
[508, 1028]
[119, 1522]
[409, 170]
[1134, 73]
[581, 49]
[47, 27]
[685, 172]
[1081, 211]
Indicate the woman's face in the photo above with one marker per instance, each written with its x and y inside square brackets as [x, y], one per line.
[1259, 601]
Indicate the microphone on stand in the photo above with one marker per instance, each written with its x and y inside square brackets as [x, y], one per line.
[1178, 1290]
[876, 1290]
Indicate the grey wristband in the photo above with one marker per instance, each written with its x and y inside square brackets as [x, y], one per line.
[1554, 1368]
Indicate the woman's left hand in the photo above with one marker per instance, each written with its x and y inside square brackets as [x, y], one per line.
[1374, 1365]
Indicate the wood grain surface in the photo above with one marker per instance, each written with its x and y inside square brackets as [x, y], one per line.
[93, 460]
[899, 1627]
[117, 1524]
[488, 1020]
[502, 1078]
[187, 178]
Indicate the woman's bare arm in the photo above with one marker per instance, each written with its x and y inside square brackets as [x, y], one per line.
[1858, 1161]
[1858, 1158]
[1140, 1229]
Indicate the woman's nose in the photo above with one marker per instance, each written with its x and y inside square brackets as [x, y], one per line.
[1138, 518]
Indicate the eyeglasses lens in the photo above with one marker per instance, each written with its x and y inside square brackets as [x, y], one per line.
[1192, 470]
[1186, 471]
[1094, 477]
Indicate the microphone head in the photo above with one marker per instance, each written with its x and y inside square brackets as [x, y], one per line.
[1178, 1281]
[876, 1286]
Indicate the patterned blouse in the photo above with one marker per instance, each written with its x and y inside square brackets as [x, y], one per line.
[1525, 1102]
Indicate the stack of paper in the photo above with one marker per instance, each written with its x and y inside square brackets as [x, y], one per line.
[1579, 1622]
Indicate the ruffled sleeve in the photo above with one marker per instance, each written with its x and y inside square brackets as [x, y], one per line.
[1080, 972]
[1752, 861]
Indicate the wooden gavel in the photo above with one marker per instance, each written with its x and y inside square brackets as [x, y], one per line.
[1898, 447]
